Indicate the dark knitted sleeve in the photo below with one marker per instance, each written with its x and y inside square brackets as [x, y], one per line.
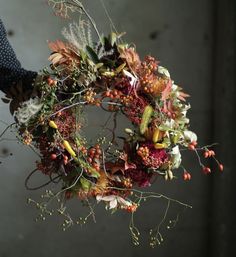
[11, 71]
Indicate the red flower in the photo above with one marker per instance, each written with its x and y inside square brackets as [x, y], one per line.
[156, 157]
[142, 178]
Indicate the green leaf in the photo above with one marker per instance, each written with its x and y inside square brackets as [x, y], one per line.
[95, 174]
[99, 65]
[92, 55]
[113, 38]
[164, 128]
[83, 55]
[86, 184]
[84, 164]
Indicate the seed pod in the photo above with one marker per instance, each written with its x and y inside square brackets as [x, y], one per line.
[52, 124]
[148, 111]
[160, 146]
[69, 148]
[148, 134]
[129, 131]
[170, 174]
[166, 176]
[156, 134]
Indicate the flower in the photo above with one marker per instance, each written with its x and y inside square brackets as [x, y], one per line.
[140, 177]
[190, 136]
[175, 157]
[156, 157]
[163, 71]
[114, 201]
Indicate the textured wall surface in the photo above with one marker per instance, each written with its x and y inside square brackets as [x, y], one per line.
[179, 34]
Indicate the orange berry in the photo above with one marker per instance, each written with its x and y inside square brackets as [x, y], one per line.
[97, 146]
[187, 176]
[99, 151]
[107, 93]
[212, 153]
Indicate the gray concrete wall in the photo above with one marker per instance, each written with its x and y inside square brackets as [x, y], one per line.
[179, 33]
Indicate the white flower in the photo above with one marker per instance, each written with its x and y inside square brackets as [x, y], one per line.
[163, 71]
[190, 136]
[113, 201]
[176, 157]
[27, 110]
[133, 79]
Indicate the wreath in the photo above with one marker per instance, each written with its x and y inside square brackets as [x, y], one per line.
[109, 77]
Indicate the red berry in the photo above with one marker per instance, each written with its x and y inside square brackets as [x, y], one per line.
[97, 146]
[206, 154]
[65, 159]
[99, 151]
[191, 147]
[92, 151]
[107, 93]
[221, 167]
[53, 156]
[186, 176]
[206, 170]
[90, 160]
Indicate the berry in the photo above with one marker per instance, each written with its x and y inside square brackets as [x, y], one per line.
[187, 176]
[221, 167]
[206, 170]
[191, 147]
[53, 156]
[206, 154]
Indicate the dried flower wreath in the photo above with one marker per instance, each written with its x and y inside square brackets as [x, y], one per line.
[108, 75]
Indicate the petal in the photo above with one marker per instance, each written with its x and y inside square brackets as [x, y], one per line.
[113, 204]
